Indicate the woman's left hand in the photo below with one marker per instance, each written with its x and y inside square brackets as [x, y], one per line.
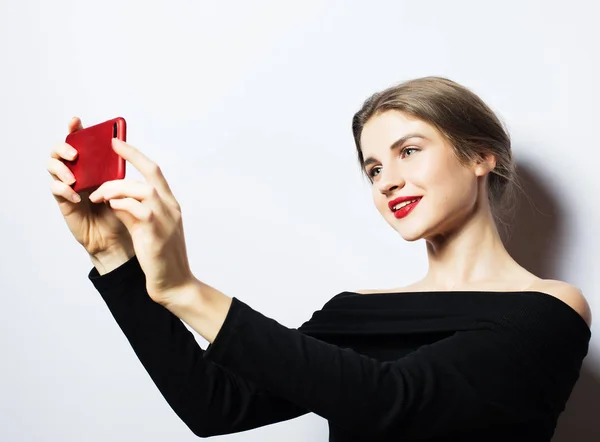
[153, 217]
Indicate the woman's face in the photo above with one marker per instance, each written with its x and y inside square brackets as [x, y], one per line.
[423, 165]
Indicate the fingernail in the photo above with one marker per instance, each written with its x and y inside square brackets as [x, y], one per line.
[76, 198]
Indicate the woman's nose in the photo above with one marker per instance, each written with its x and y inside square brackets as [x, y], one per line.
[390, 181]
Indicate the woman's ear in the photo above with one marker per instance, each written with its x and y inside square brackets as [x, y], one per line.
[485, 164]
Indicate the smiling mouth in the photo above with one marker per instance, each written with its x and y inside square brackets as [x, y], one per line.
[404, 203]
[403, 209]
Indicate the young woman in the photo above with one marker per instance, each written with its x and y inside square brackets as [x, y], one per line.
[480, 349]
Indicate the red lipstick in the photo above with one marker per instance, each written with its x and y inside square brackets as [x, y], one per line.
[405, 210]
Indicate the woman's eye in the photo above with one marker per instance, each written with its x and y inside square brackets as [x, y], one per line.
[406, 149]
[371, 172]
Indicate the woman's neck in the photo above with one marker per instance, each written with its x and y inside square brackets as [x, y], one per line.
[471, 257]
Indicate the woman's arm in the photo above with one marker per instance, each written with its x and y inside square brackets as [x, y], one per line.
[210, 399]
[473, 379]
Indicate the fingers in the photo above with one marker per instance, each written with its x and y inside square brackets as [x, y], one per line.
[62, 179]
[148, 169]
[67, 151]
[132, 206]
[123, 189]
[60, 170]
[63, 151]
[62, 190]
[75, 124]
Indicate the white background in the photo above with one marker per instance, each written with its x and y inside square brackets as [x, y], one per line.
[247, 107]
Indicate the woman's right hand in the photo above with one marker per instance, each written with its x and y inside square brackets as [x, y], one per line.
[94, 226]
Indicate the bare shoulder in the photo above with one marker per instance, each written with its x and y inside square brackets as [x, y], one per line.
[569, 294]
[414, 287]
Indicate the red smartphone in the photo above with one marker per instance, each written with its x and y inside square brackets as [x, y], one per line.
[96, 161]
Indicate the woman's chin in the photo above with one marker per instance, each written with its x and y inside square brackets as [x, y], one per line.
[410, 238]
[409, 233]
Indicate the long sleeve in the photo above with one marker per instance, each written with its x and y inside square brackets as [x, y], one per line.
[210, 399]
[472, 379]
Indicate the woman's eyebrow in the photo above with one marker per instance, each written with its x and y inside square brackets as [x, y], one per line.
[396, 144]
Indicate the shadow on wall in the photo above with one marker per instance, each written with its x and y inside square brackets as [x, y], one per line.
[536, 220]
[579, 422]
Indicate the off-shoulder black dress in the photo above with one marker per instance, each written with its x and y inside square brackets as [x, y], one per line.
[419, 366]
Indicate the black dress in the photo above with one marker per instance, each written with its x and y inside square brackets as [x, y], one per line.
[419, 366]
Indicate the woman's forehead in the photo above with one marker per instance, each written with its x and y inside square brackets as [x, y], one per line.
[383, 130]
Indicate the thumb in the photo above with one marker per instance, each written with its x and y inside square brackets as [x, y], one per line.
[122, 214]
